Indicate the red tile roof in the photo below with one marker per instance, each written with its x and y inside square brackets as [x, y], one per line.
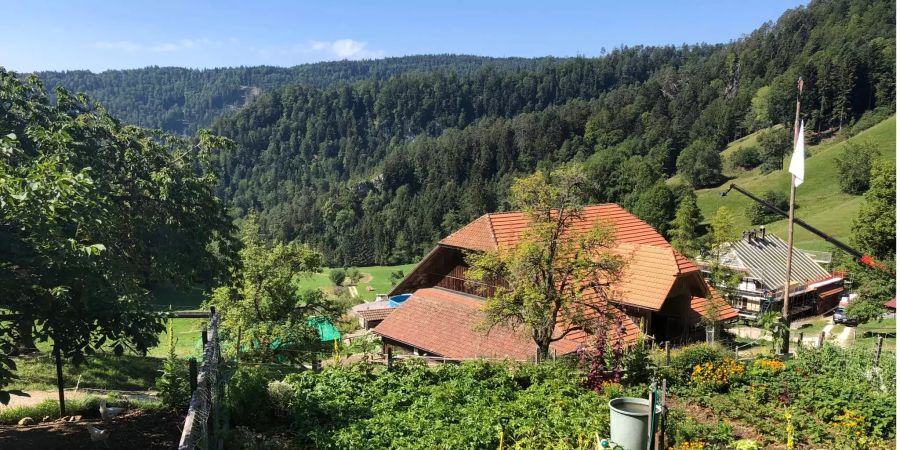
[652, 265]
[701, 305]
[448, 323]
[375, 314]
[477, 235]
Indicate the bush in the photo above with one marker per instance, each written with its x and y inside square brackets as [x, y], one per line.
[855, 167]
[694, 355]
[337, 276]
[870, 118]
[760, 215]
[247, 396]
[745, 158]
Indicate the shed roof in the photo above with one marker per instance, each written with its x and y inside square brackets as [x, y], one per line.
[765, 259]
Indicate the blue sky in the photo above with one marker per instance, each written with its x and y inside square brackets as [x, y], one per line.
[100, 35]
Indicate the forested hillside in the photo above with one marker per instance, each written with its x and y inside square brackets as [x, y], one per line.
[179, 100]
[376, 171]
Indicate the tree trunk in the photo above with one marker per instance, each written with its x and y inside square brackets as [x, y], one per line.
[543, 350]
[59, 381]
[24, 338]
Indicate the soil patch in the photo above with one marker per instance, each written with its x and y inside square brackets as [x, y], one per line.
[144, 430]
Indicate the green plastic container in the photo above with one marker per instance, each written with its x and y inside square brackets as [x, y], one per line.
[629, 422]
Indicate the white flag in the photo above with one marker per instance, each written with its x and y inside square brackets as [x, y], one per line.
[796, 167]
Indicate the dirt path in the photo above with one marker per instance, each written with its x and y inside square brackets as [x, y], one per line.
[139, 430]
[36, 397]
[846, 337]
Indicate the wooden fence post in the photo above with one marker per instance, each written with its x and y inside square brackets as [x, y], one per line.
[736, 349]
[203, 338]
[800, 340]
[878, 350]
[317, 365]
[668, 354]
[237, 349]
[821, 339]
[390, 358]
[192, 374]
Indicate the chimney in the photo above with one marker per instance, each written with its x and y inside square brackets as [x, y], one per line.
[762, 232]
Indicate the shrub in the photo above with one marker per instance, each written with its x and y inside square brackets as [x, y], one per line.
[337, 276]
[760, 215]
[637, 364]
[694, 355]
[716, 376]
[354, 275]
[870, 118]
[745, 158]
[855, 167]
[247, 396]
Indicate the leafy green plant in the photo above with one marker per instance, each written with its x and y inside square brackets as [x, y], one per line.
[745, 444]
[695, 355]
[247, 396]
[337, 276]
[173, 384]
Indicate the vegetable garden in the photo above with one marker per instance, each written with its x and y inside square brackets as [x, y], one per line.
[821, 398]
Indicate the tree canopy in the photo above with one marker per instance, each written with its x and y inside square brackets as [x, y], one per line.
[93, 214]
[555, 273]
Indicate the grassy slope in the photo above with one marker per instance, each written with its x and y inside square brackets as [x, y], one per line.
[750, 140]
[820, 200]
[378, 277]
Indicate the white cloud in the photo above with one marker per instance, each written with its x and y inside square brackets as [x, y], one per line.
[346, 49]
[126, 46]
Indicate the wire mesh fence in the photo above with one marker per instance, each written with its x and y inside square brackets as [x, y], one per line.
[205, 420]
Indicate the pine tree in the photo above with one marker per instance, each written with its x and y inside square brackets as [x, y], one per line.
[683, 231]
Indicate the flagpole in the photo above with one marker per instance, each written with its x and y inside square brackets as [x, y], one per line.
[785, 308]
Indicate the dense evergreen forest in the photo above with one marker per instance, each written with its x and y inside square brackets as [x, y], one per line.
[179, 100]
[371, 163]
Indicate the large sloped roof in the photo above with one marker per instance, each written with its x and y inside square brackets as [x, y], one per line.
[652, 265]
[765, 258]
[448, 324]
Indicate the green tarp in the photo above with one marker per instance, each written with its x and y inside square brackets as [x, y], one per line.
[327, 331]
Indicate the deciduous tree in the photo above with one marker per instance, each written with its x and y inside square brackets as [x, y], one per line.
[550, 276]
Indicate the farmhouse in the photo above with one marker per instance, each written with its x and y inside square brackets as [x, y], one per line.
[762, 261]
[660, 292]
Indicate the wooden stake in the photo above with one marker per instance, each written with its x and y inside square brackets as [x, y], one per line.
[878, 350]
[192, 374]
[821, 339]
[668, 354]
[800, 340]
[237, 349]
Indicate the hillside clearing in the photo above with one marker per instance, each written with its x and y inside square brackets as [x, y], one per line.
[820, 201]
